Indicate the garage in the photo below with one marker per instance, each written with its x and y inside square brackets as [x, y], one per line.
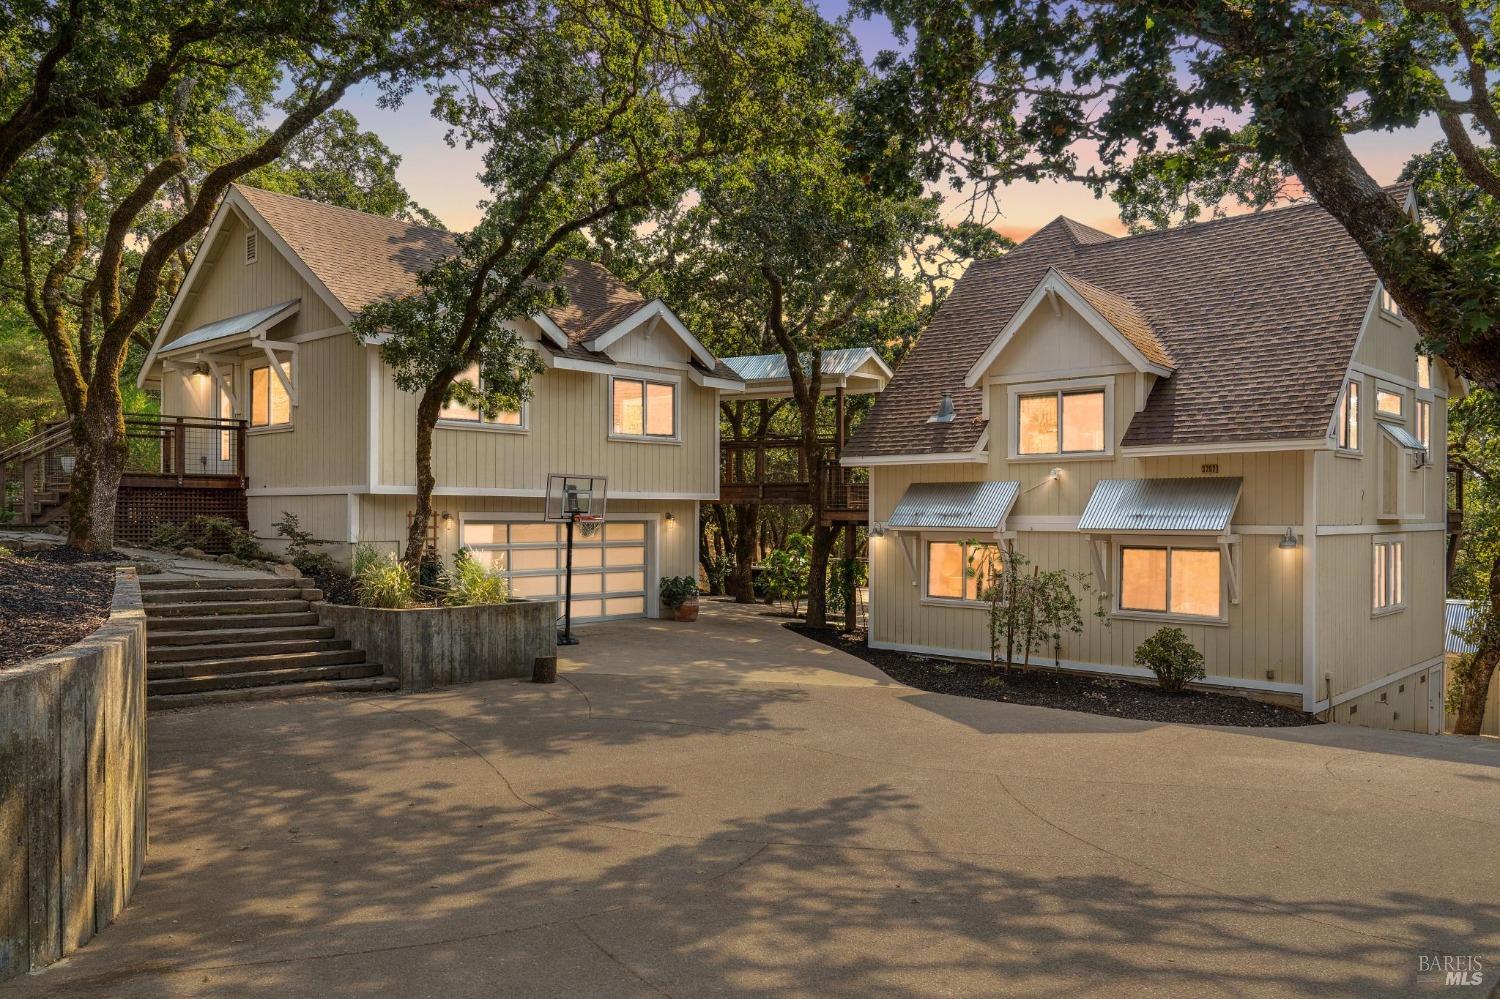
[613, 571]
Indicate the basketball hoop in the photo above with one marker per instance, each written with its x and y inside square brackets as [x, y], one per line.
[574, 499]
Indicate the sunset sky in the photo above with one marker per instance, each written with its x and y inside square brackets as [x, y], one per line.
[443, 180]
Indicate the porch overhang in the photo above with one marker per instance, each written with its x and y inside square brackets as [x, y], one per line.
[955, 506]
[246, 329]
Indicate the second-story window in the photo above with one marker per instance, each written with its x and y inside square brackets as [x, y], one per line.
[270, 405]
[641, 408]
[1060, 422]
[1348, 422]
[1424, 423]
[1424, 371]
[460, 413]
[1389, 402]
[1388, 304]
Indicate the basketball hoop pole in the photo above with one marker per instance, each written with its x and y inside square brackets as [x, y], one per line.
[571, 498]
[566, 638]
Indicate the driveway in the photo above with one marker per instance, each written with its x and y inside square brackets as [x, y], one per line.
[727, 809]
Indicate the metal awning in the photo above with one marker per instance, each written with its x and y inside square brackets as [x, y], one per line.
[1183, 506]
[1402, 436]
[222, 329]
[955, 506]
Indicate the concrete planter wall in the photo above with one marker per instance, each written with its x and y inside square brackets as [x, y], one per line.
[430, 647]
[72, 788]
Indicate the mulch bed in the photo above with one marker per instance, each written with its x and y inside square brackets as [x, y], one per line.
[48, 600]
[1048, 688]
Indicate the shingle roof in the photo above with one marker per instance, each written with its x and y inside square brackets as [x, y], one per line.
[363, 258]
[1259, 314]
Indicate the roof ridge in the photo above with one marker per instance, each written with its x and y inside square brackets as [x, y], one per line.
[330, 206]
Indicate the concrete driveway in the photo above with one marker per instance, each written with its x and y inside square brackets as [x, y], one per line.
[726, 809]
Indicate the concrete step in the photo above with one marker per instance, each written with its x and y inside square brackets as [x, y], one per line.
[237, 622]
[363, 685]
[235, 608]
[260, 678]
[231, 583]
[250, 647]
[159, 598]
[224, 665]
[161, 636]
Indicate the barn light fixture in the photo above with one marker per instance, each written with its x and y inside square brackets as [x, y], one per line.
[1288, 540]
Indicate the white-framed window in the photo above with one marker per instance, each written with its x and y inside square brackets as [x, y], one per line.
[224, 409]
[1388, 582]
[1390, 402]
[642, 409]
[1424, 371]
[1172, 581]
[1347, 431]
[270, 405]
[1388, 304]
[1055, 421]
[960, 571]
[457, 412]
[252, 246]
[1424, 422]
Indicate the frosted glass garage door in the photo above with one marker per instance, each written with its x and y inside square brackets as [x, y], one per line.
[610, 571]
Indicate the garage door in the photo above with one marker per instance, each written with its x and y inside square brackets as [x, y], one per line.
[611, 574]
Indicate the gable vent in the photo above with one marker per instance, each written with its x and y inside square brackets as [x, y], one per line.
[252, 246]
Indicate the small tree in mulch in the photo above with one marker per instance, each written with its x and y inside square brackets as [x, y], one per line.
[1173, 659]
[786, 571]
[1029, 611]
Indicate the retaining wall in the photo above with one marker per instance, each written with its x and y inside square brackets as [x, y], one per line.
[430, 647]
[72, 788]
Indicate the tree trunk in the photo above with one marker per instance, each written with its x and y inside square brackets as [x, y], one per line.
[817, 576]
[746, 536]
[851, 583]
[99, 439]
[1474, 685]
[416, 534]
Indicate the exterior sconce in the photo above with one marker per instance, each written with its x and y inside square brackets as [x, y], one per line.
[1288, 540]
[1055, 472]
[670, 518]
[447, 520]
[877, 530]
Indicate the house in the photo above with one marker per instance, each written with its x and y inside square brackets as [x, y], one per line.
[259, 333]
[1226, 426]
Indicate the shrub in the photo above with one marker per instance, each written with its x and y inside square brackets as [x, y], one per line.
[786, 570]
[1170, 655]
[471, 584]
[170, 537]
[380, 580]
[678, 590]
[302, 547]
[211, 534]
[840, 571]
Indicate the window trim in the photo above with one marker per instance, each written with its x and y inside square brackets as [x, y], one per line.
[645, 438]
[1378, 542]
[1168, 616]
[252, 427]
[483, 424]
[1016, 392]
[965, 541]
[1341, 422]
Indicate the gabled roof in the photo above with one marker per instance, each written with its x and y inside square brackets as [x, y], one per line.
[1259, 313]
[1124, 317]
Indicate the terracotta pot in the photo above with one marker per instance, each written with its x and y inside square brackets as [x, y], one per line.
[688, 610]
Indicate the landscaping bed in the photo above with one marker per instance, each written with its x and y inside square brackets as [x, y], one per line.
[50, 599]
[1050, 688]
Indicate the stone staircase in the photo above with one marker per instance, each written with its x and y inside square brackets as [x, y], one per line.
[213, 641]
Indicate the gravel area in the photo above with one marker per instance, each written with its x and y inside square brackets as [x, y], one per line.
[49, 600]
[1054, 689]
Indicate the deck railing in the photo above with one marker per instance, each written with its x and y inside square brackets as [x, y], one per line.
[774, 470]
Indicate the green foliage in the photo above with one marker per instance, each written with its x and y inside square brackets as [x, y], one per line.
[1173, 659]
[845, 575]
[210, 534]
[1029, 611]
[785, 570]
[28, 396]
[678, 590]
[380, 580]
[303, 548]
[471, 584]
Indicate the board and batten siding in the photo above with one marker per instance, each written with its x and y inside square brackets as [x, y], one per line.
[568, 422]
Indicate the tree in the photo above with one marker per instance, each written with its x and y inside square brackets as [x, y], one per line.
[124, 127]
[1207, 90]
[590, 118]
[1474, 446]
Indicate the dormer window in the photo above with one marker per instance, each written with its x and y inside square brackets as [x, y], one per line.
[1061, 421]
[252, 246]
[1388, 304]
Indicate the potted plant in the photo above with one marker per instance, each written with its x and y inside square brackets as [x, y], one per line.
[679, 597]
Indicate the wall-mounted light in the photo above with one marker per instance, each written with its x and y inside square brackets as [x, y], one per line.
[1055, 472]
[201, 369]
[1288, 540]
[447, 519]
[877, 530]
[670, 517]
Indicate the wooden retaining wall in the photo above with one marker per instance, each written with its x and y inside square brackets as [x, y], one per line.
[72, 788]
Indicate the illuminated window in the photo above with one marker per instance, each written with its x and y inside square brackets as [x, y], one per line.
[270, 405]
[1388, 585]
[1348, 428]
[960, 570]
[1388, 304]
[1060, 423]
[1424, 371]
[1179, 581]
[643, 409]
[1389, 402]
[1424, 423]
[460, 413]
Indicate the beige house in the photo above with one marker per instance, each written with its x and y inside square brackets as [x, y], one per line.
[259, 333]
[1226, 426]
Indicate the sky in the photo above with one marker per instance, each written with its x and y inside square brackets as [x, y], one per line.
[443, 180]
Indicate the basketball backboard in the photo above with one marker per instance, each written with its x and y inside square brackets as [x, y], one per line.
[577, 498]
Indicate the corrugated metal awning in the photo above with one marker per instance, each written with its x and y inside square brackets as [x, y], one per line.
[233, 326]
[977, 506]
[1402, 436]
[1193, 506]
[1458, 614]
